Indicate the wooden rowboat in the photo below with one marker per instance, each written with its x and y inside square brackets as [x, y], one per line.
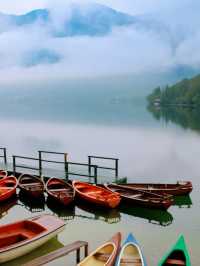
[31, 186]
[21, 237]
[8, 187]
[180, 188]
[98, 196]
[105, 255]
[3, 173]
[177, 255]
[60, 191]
[130, 253]
[140, 197]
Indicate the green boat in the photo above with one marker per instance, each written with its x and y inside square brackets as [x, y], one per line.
[177, 255]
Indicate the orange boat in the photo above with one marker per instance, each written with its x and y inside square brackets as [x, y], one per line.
[3, 173]
[105, 255]
[8, 187]
[21, 237]
[96, 195]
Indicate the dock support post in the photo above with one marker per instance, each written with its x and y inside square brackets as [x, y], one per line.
[40, 163]
[66, 166]
[116, 167]
[89, 165]
[95, 174]
[78, 257]
[86, 251]
[5, 155]
[14, 165]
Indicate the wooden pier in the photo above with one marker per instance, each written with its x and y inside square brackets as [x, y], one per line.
[76, 246]
[91, 168]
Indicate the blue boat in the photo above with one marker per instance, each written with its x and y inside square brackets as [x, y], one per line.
[130, 253]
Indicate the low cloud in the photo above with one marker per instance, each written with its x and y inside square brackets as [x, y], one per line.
[155, 42]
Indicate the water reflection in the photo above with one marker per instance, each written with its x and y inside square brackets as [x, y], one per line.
[6, 206]
[63, 212]
[183, 201]
[106, 215]
[154, 216]
[30, 204]
[187, 118]
[50, 246]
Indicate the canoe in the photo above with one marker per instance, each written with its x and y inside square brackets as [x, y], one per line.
[140, 197]
[3, 173]
[130, 253]
[104, 255]
[180, 188]
[8, 187]
[60, 191]
[98, 196]
[22, 237]
[177, 255]
[32, 186]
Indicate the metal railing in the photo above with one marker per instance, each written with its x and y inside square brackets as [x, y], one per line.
[4, 156]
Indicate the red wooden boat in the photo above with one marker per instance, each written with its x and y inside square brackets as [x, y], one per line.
[140, 197]
[105, 255]
[8, 187]
[3, 173]
[96, 195]
[31, 185]
[60, 191]
[180, 188]
[21, 237]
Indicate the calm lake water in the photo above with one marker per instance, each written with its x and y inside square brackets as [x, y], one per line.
[106, 122]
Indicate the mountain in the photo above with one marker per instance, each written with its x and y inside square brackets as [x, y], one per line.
[184, 93]
[91, 20]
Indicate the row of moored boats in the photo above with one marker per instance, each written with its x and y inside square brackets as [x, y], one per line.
[106, 195]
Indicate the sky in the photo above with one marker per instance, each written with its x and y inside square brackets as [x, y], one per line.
[170, 38]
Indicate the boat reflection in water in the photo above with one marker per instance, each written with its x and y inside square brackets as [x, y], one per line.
[107, 215]
[154, 216]
[6, 206]
[64, 212]
[31, 205]
[50, 246]
[183, 201]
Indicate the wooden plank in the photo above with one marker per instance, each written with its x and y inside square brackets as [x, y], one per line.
[58, 253]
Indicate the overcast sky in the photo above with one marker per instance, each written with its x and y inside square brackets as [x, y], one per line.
[130, 6]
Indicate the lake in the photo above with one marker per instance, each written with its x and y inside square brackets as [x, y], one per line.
[108, 119]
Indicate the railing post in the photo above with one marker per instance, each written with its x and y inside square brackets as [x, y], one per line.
[40, 163]
[86, 251]
[78, 257]
[5, 155]
[95, 174]
[14, 165]
[89, 165]
[66, 166]
[116, 167]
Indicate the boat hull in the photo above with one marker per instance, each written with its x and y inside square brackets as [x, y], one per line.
[32, 232]
[7, 192]
[181, 188]
[102, 197]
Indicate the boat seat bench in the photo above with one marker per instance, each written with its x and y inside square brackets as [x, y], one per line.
[175, 262]
[104, 257]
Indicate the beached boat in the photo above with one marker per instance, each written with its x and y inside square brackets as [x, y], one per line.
[105, 255]
[21, 237]
[31, 186]
[180, 188]
[177, 255]
[8, 187]
[3, 173]
[60, 191]
[130, 253]
[96, 195]
[140, 197]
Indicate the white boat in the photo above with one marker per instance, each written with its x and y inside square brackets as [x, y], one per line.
[21, 237]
